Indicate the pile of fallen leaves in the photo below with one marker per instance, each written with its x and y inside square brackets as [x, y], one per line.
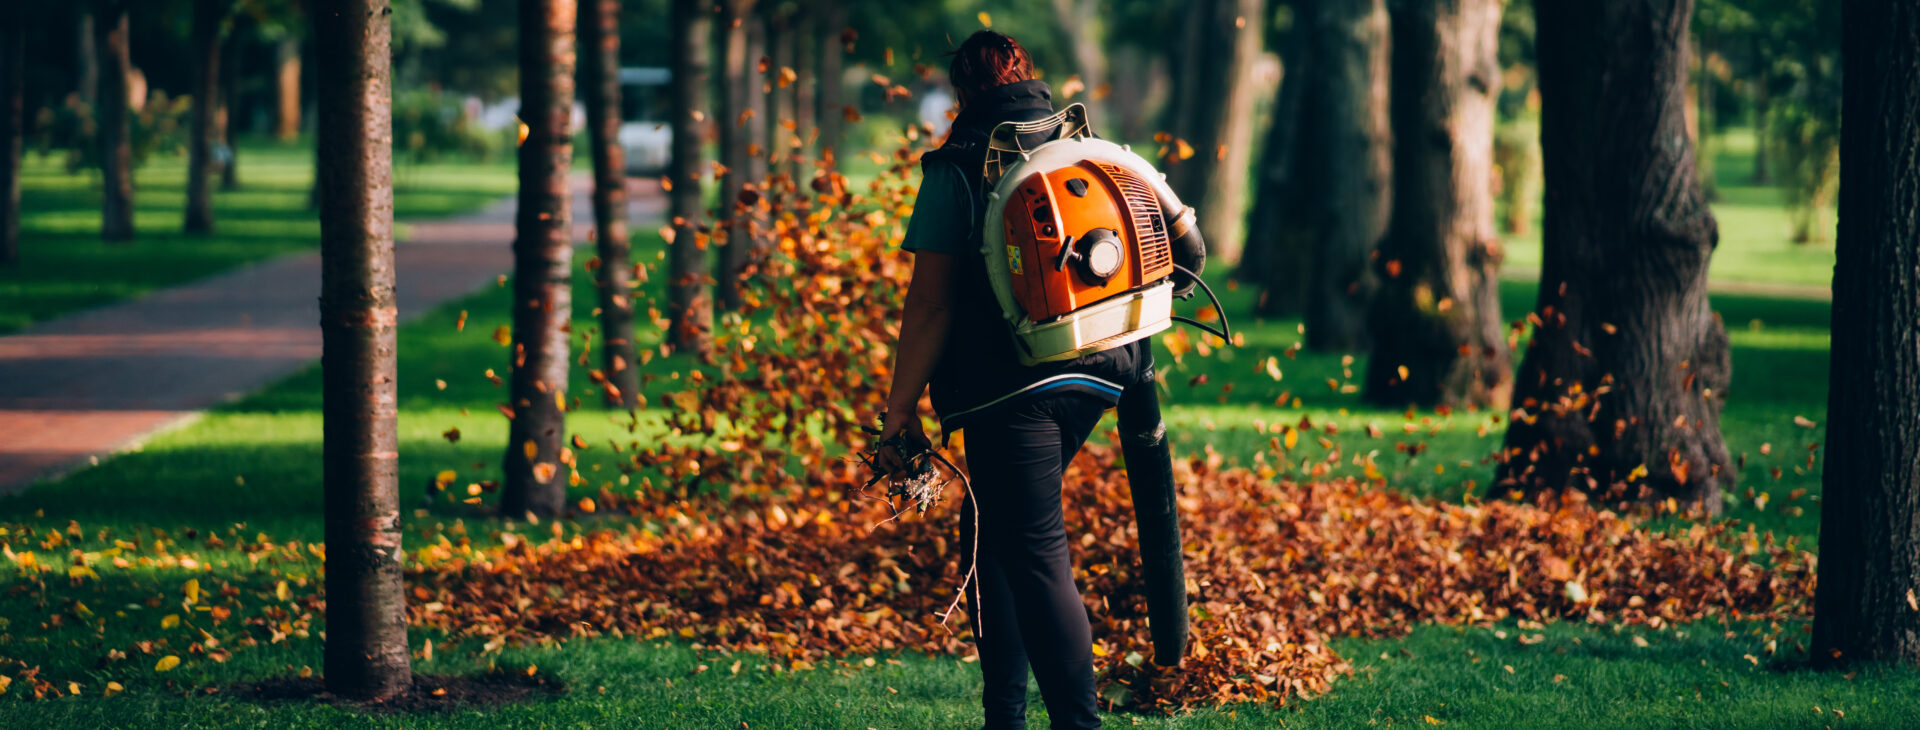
[761, 540]
[1274, 570]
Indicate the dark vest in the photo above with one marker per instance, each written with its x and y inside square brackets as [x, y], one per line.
[979, 373]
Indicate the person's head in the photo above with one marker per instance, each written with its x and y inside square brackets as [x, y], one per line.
[987, 59]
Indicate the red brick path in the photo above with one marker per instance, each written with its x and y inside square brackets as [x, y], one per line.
[96, 382]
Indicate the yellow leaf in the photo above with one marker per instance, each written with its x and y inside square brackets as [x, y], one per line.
[191, 590]
[282, 592]
[171, 620]
[113, 688]
[166, 663]
[503, 335]
[1292, 438]
[1273, 367]
[532, 449]
[985, 19]
[445, 477]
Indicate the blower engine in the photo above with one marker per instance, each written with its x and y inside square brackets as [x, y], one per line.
[1078, 240]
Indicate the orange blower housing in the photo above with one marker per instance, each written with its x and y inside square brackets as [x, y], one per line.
[1081, 234]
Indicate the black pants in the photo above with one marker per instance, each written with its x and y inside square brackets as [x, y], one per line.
[1025, 608]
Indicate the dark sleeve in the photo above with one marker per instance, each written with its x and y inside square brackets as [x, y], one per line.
[942, 213]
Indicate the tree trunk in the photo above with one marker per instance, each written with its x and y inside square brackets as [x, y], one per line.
[1621, 388]
[783, 101]
[114, 123]
[208, 18]
[1437, 334]
[13, 84]
[600, 64]
[1080, 29]
[1278, 256]
[229, 115]
[742, 123]
[689, 271]
[1347, 153]
[542, 264]
[1762, 103]
[286, 88]
[803, 61]
[89, 58]
[1215, 118]
[366, 638]
[1870, 511]
[831, 105]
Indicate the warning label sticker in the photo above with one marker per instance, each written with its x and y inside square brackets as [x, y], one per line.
[1013, 260]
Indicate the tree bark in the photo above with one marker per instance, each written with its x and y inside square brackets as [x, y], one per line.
[89, 58]
[742, 122]
[600, 64]
[229, 122]
[1870, 512]
[209, 17]
[783, 99]
[286, 86]
[1278, 256]
[537, 458]
[830, 87]
[1347, 153]
[1437, 332]
[115, 126]
[689, 271]
[1621, 387]
[1762, 103]
[13, 85]
[805, 51]
[366, 639]
[1079, 28]
[1217, 120]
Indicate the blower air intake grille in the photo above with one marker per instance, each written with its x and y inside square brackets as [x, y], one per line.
[1143, 211]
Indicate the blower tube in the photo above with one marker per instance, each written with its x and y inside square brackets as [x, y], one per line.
[1143, 440]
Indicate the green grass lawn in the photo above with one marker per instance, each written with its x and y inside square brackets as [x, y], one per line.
[252, 468]
[64, 266]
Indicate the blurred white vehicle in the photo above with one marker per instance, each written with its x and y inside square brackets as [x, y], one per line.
[644, 133]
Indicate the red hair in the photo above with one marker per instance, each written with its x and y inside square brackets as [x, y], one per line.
[988, 59]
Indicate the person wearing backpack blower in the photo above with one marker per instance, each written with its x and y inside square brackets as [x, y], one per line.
[1027, 377]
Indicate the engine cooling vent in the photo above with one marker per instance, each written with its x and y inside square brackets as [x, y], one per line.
[1143, 211]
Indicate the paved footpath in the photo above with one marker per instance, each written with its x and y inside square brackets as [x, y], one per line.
[95, 382]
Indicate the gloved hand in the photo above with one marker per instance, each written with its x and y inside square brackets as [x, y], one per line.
[1189, 252]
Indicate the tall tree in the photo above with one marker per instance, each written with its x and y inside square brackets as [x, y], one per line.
[830, 108]
[542, 263]
[209, 26]
[1345, 151]
[88, 60]
[600, 67]
[229, 123]
[1437, 333]
[783, 97]
[688, 268]
[13, 89]
[113, 119]
[743, 141]
[804, 64]
[286, 86]
[1216, 118]
[1078, 23]
[1621, 387]
[366, 639]
[1278, 256]
[1870, 511]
